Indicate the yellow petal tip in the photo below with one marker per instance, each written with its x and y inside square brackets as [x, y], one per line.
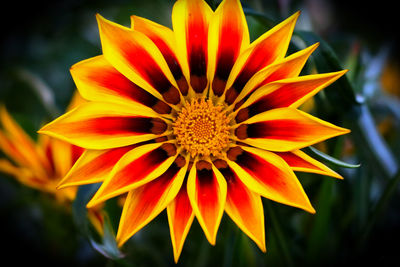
[311, 210]
[93, 202]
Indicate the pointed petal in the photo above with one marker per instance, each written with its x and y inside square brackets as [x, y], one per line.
[8, 168]
[267, 174]
[164, 39]
[135, 56]
[61, 153]
[228, 23]
[137, 167]
[207, 194]
[97, 125]
[9, 149]
[190, 21]
[288, 67]
[146, 202]
[94, 166]
[75, 101]
[97, 80]
[244, 207]
[180, 218]
[300, 161]
[19, 146]
[268, 48]
[286, 93]
[285, 129]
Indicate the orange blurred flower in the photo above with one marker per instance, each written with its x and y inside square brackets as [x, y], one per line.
[41, 165]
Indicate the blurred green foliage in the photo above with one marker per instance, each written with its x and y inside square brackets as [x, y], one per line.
[357, 219]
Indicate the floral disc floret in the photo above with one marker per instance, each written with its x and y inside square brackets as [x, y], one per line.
[202, 128]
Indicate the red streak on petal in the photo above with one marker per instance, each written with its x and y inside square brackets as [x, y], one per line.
[148, 69]
[295, 161]
[49, 155]
[181, 214]
[282, 97]
[207, 196]
[76, 152]
[139, 168]
[110, 126]
[228, 51]
[103, 162]
[282, 129]
[261, 170]
[149, 196]
[237, 194]
[197, 48]
[111, 79]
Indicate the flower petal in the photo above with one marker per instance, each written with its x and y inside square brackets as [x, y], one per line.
[17, 144]
[135, 56]
[300, 161]
[268, 48]
[190, 21]
[97, 125]
[94, 166]
[8, 168]
[286, 68]
[137, 167]
[180, 218]
[285, 129]
[62, 158]
[290, 92]
[268, 175]
[243, 206]
[97, 80]
[207, 194]
[228, 23]
[75, 101]
[164, 39]
[143, 204]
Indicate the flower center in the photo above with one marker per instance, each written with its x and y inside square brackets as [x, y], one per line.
[202, 128]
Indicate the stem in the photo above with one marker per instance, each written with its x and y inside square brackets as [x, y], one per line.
[42, 90]
[380, 207]
[281, 238]
[370, 142]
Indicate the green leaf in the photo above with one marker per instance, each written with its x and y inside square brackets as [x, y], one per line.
[79, 210]
[370, 143]
[321, 155]
[326, 60]
[316, 241]
[280, 235]
[108, 247]
[260, 17]
[41, 89]
[379, 208]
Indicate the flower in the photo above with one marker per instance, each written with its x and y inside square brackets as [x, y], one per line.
[40, 165]
[196, 120]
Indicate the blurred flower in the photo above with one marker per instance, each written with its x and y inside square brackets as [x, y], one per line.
[40, 165]
[196, 120]
[391, 78]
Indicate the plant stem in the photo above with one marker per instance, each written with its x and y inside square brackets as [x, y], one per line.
[282, 241]
[382, 203]
[370, 142]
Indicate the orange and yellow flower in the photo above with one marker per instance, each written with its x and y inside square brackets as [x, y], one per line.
[40, 165]
[196, 120]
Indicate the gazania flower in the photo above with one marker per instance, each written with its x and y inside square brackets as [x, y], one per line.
[196, 120]
[40, 165]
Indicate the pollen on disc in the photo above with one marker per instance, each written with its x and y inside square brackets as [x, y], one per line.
[202, 128]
